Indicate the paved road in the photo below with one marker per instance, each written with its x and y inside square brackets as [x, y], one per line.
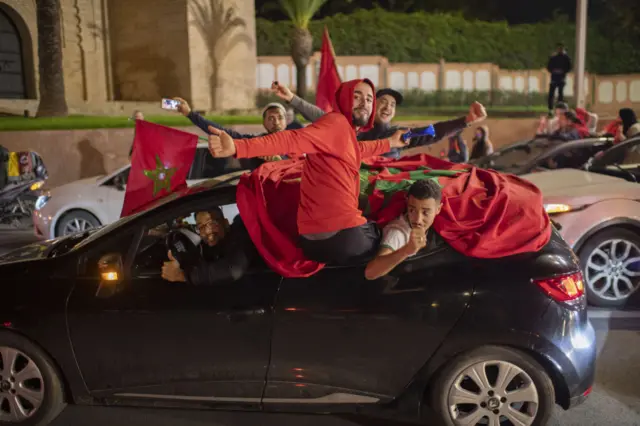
[614, 401]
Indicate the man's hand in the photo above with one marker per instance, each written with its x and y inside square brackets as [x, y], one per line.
[417, 241]
[396, 139]
[477, 113]
[221, 145]
[184, 107]
[171, 270]
[282, 92]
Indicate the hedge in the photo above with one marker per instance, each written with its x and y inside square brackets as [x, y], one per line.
[427, 37]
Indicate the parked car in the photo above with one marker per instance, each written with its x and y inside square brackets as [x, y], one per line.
[598, 209]
[442, 338]
[96, 201]
[541, 154]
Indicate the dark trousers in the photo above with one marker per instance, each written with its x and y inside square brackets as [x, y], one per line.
[349, 246]
[552, 91]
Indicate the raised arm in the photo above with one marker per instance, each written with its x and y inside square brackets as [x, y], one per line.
[309, 111]
[203, 123]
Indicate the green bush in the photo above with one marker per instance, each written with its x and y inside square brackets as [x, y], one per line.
[427, 37]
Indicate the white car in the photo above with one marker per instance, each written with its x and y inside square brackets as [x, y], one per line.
[97, 201]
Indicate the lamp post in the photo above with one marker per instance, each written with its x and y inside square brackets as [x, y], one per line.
[581, 50]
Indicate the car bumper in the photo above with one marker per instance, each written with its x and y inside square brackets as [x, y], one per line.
[569, 345]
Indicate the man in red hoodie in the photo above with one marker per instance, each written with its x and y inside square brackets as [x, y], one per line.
[332, 228]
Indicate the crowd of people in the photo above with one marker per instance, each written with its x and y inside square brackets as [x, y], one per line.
[332, 228]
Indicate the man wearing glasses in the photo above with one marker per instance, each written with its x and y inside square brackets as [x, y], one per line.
[226, 252]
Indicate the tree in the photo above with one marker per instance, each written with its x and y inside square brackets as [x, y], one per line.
[300, 13]
[52, 96]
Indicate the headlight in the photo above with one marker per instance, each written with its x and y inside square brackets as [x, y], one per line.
[36, 186]
[41, 201]
[557, 208]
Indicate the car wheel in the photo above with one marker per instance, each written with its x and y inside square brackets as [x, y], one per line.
[30, 388]
[490, 385]
[76, 221]
[610, 262]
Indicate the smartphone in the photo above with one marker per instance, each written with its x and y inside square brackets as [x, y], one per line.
[170, 104]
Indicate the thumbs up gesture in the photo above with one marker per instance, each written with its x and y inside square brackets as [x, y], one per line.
[221, 145]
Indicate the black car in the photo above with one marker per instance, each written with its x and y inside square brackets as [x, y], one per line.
[542, 154]
[443, 339]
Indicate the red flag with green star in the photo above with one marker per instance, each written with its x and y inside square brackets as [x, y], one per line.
[485, 214]
[160, 163]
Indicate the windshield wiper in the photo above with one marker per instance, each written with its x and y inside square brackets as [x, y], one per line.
[619, 167]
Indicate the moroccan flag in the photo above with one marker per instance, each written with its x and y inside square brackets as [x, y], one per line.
[485, 214]
[328, 79]
[160, 163]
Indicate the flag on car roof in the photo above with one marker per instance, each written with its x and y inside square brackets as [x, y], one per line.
[328, 78]
[160, 163]
[485, 214]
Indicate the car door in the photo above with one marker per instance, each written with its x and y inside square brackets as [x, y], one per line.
[343, 339]
[182, 344]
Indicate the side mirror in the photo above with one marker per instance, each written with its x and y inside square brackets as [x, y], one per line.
[110, 268]
[119, 183]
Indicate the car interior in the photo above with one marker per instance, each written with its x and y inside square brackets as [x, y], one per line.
[622, 161]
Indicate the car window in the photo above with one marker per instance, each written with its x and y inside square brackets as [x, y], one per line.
[206, 167]
[151, 253]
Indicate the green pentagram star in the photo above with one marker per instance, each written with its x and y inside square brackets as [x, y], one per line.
[161, 176]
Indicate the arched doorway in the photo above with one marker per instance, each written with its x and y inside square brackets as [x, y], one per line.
[12, 74]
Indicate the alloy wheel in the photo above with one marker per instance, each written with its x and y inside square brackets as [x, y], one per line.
[613, 269]
[77, 225]
[21, 386]
[492, 392]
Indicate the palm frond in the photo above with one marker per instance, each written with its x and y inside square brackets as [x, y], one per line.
[301, 11]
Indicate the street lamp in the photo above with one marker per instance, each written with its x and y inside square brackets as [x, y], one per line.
[581, 49]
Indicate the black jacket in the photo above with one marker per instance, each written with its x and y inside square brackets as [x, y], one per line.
[227, 261]
[562, 63]
[442, 129]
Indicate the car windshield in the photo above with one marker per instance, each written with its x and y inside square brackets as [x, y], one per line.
[521, 153]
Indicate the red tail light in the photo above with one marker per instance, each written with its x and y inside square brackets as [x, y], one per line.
[563, 288]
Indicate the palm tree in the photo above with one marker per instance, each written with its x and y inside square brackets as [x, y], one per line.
[52, 97]
[216, 25]
[300, 12]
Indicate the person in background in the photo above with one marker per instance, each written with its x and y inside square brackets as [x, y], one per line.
[292, 122]
[547, 125]
[273, 120]
[589, 119]
[630, 126]
[458, 150]
[409, 233]
[137, 115]
[482, 145]
[558, 66]
[569, 127]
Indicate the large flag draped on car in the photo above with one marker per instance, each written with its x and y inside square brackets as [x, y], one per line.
[328, 78]
[160, 163]
[485, 214]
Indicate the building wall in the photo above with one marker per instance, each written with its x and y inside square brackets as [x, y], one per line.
[143, 50]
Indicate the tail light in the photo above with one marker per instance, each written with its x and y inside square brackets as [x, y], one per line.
[563, 288]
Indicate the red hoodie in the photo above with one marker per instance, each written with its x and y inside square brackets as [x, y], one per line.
[330, 178]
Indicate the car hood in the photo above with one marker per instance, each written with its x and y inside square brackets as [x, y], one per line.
[573, 183]
[33, 251]
[91, 181]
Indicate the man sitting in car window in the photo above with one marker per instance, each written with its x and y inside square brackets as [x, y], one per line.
[226, 252]
[409, 233]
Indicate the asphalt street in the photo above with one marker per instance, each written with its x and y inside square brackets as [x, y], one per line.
[615, 400]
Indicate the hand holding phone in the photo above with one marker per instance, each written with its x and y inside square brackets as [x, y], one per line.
[170, 104]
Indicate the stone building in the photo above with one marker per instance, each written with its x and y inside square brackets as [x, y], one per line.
[121, 54]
